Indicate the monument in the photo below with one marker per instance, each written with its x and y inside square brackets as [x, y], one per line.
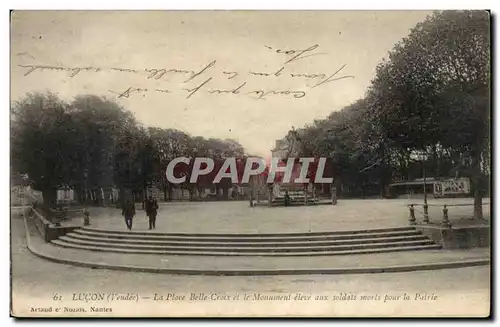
[290, 193]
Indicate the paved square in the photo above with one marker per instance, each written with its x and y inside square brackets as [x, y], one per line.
[239, 217]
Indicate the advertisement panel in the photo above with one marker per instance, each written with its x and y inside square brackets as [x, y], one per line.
[453, 186]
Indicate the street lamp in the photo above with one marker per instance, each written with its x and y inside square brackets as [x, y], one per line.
[426, 207]
[85, 175]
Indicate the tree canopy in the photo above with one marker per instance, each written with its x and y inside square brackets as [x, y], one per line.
[428, 107]
[92, 143]
[426, 112]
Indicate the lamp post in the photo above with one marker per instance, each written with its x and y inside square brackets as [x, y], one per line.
[85, 174]
[426, 207]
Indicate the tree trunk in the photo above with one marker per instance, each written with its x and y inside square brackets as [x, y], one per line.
[79, 196]
[49, 197]
[338, 186]
[478, 203]
[476, 184]
[438, 164]
[165, 193]
[402, 165]
[435, 160]
[122, 196]
[170, 192]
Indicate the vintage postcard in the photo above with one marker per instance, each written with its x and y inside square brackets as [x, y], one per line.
[250, 163]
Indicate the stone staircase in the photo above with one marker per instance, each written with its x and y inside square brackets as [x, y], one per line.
[294, 201]
[297, 197]
[296, 244]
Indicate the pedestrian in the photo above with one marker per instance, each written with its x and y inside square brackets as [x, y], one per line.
[152, 211]
[128, 212]
[287, 198]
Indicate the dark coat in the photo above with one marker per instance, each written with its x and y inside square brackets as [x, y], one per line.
[151, 207]
[128, 210]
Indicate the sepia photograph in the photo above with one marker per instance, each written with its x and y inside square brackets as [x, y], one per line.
[250, 163]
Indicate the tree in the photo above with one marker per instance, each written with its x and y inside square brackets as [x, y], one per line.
[81, 145]
[167, 145]
[170, 143]
[93, 143]
[42, 139]
[433, 92]
[131, 165]
[346, 139]
[100, 125]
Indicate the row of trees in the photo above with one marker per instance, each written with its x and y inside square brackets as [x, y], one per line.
[93, 143]
[426, 112]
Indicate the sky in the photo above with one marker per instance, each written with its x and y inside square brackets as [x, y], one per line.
[210, 66]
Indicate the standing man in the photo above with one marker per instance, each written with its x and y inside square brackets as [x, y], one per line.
[152, 211]
[128, 212]
[287, 198]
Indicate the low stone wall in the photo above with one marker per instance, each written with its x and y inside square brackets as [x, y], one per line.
[457, 237]
[48, 230]
[54, 232]
[65, 213]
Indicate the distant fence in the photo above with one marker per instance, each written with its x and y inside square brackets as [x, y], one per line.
[431, 213]
[24, 195]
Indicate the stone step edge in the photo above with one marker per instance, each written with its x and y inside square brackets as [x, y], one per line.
[236, 248]
[293, 204]
[255, 272]
[339, 247]
[248, 254]
[296, 199]
[275, 243]
[347, 232]
[166, 237]
[264, 272]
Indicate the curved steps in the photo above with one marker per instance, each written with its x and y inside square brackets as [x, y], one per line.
[290, 244]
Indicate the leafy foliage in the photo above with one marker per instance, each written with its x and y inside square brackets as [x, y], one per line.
[427, 108]
[93, 143]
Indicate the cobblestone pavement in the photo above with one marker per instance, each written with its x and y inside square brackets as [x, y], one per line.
[238, 217]
[462, 292]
